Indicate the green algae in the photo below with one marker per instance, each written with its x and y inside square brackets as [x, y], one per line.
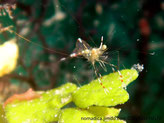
[94, 94]
[74, 115]
[41, 110]
[92, 101]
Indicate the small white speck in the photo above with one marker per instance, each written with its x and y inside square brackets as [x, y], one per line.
[57, 92]
[63, 100]
[20, 73]
[153, 53]
[62, 59]
[67, 87]
[138, 39]
[74, 66]
[110, 88]
[13, 105]
[35, 119]
[99, 121]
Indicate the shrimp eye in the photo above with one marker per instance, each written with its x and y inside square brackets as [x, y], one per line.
[104, 47]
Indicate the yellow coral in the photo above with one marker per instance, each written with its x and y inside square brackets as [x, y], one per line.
[8, 56]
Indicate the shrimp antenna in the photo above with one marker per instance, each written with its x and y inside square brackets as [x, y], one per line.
[12, 31]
